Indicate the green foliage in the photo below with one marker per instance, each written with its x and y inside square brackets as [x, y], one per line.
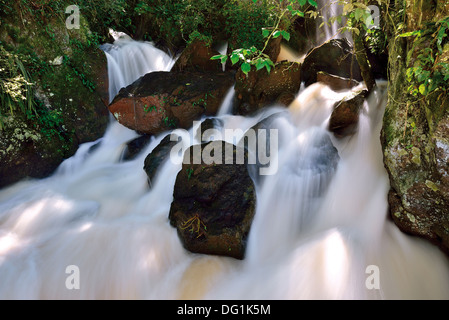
[250, 56]
[16, 87]
[428, 72]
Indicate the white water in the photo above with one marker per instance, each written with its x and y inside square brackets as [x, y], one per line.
[128, 61]
[315, 231]
[227, 104]
[328, 30]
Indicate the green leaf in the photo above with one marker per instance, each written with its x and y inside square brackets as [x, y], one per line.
[265, 32]
[422, 89]
[302, 2]
[224, 59]
[286, 35]
[267, 65]
[348, 8]
[276, 34]
[313, 3]
[218, 57]
[260, 63]
[440, 37]
[246, 67]
[358, 14]
[234, 58]
[410, 34]
[254, 1]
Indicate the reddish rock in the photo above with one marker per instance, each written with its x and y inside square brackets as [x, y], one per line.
[160, 101]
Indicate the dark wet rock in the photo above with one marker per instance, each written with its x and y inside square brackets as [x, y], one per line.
[334, 57]
[260, 88]
[203, 134]
[345, 117]
[134, 147]
[214, 204]
[157, 157]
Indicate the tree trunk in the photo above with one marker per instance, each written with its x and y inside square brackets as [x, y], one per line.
[362, 59]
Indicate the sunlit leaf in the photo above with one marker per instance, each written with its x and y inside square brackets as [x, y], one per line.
[246, 67]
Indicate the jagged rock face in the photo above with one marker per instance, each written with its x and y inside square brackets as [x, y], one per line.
[160, 101]
[214, 204]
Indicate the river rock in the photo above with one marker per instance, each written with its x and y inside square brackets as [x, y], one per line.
[196, 57]
[157, 157]
[336, 83]
[134, 147]
[203, 134]
[333, 57]
[260, 88]
[214, 204]
[160, 101]
[345, 117]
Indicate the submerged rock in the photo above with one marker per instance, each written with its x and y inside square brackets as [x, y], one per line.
[160, 101]
[334, 57]
[214, 204]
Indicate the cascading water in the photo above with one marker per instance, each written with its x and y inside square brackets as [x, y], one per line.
[320, 222]
[326, 28]
[128, 61]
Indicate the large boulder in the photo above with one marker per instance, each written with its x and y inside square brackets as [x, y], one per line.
[333, 57]
[160, 101]
[261, 88]
[214, 204]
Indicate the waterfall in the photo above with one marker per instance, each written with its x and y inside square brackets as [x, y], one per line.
[325, 29]
[227, 104]
[129, 60]
[320, 225]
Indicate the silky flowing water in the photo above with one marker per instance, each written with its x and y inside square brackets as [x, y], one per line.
[321, 228]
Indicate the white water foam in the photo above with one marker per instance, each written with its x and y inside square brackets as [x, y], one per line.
[318, 224]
